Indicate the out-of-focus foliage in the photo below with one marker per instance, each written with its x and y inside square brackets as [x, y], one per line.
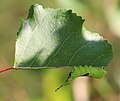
[39, 85]
[113, 15]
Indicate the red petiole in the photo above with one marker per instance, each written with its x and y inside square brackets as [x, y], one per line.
[6, 69]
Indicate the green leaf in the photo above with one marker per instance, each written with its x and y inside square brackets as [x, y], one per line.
[84, 71]
[56, 38]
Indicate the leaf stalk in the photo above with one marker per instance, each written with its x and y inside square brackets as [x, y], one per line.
[6, 69]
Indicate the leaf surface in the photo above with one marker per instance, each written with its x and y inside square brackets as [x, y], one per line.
[56, 38]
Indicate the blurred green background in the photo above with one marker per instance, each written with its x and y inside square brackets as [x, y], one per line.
[102, 16]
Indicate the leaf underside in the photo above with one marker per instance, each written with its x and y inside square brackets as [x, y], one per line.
[84, 71]
[56, 38]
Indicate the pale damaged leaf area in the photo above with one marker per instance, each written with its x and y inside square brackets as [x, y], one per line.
[55, 38]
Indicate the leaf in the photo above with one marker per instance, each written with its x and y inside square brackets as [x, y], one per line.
[83, 71]
[56, 38]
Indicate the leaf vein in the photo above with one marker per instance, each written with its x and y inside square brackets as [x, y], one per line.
[77, 52]
[60, 47]
[31, 34]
